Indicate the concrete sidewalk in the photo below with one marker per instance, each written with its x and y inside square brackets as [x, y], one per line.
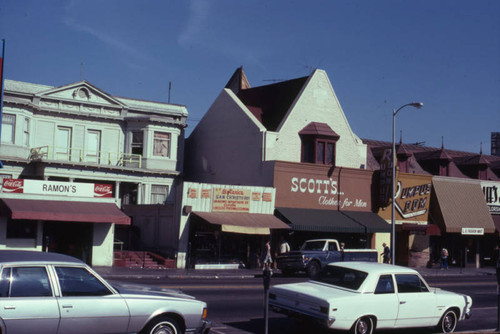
[138, 273]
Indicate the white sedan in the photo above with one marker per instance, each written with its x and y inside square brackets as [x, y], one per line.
[363, 296]
[54, 293]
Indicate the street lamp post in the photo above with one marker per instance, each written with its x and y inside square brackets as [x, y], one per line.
[417, 105]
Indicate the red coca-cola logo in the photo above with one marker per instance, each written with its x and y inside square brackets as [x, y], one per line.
[13, 186]
[103, 190]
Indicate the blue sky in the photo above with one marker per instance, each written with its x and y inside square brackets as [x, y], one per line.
[379, 55]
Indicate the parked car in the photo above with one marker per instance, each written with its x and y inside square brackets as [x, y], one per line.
[55, 293]
[315, 254]
[364, 296]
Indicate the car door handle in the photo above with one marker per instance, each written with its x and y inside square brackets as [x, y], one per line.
[7, 307]
[67, 306]
[402, 302]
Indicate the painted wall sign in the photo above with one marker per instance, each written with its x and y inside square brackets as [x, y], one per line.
[472, 231]
[267, 197]
[205, 193]
[41, 187]
[256, 196]
[320, 187]
[231, 200]
[491, 191]
[192, 193]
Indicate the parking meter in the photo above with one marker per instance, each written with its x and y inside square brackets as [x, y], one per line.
[266, 277]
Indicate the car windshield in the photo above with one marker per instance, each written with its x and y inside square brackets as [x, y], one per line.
[313, 246]
[342, 277]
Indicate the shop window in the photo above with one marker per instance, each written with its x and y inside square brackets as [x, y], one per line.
[161, 144]
[21, 229]
[8, 128]
[159, 194]
[137, 142]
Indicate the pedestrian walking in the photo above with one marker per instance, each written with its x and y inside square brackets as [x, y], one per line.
[386, 255]
[444, 259]
[266, 255]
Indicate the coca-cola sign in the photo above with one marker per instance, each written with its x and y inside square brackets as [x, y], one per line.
[52, 188]
[12, 186]
[103, 190]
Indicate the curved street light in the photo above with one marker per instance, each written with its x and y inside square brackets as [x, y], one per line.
[416, 105]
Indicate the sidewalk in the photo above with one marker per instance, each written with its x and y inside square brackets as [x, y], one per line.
[138, 273]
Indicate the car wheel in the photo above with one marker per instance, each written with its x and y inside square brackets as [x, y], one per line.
[162, 325]
[313, 269]
[448, 322]
[363, 325]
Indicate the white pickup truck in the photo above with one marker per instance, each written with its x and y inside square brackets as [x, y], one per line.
[315, 254]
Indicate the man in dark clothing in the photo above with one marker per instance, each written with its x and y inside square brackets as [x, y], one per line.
[386, 255]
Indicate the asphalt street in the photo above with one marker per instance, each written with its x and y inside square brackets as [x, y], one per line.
[236, 302]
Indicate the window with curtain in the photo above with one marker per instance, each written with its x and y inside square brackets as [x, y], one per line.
[8, 128]
[161, 144]
[159, 194]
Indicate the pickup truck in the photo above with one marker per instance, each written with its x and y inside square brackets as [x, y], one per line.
[315, 254]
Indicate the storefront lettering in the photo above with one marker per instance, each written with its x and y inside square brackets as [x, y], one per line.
[419, 190]
[57, 188]
[346, 203]
[319, 186]
[491, 195]
[411, 206]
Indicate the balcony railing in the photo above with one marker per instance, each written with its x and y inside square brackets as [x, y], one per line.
[82, 156]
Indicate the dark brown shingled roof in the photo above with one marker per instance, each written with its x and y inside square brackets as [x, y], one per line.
[272, 101]
[318, 129]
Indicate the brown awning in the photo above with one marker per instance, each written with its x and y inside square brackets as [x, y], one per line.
[91, 212]
[462, 205]
[246, 223]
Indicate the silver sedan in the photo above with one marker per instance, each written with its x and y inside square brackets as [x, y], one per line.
[54, 293]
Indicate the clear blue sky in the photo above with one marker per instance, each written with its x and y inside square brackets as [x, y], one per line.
[379, 55]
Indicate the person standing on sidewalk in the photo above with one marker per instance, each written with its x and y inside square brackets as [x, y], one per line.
[386, 255]
[444, 259]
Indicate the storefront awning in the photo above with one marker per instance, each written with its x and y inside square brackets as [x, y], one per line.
[91, 212]
[246, 223]
[462, 206]
[373, 222]
[334, 221]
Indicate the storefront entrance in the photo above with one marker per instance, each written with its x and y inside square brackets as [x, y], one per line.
[69, 238]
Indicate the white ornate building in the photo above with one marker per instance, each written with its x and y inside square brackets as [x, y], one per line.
[77, 134]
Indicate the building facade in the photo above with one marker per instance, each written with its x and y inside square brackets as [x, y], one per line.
[293, 136]
[77, 134]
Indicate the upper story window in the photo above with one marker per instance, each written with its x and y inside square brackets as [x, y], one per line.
[26, 134]
[161, 144]
[318, 144]
[8, 128]
[137, 142]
